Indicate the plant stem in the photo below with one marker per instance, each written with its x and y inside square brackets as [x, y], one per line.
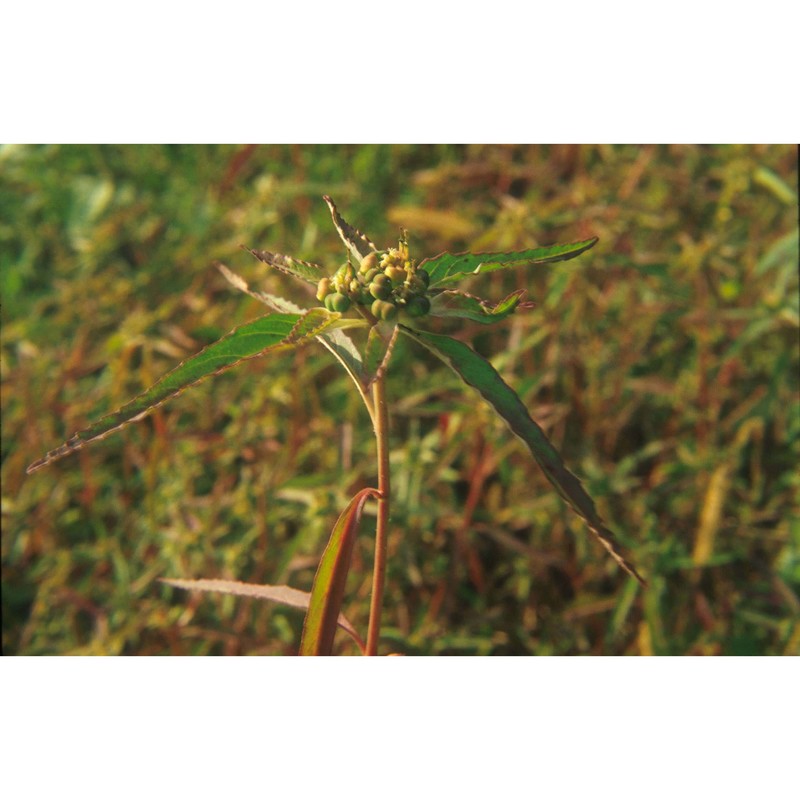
[381, 424]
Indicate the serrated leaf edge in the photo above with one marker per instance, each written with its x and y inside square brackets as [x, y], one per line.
[75, 443]
[355, 241]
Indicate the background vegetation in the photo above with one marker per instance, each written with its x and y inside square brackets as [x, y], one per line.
[663, 364]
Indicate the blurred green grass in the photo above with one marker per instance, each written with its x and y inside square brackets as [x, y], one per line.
[663, 364]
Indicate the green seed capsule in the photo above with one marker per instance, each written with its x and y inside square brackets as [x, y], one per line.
[380, 291]
[418, 306]
[424, 277]
[395, 274]
[323, 289]
[370, 274]
[383, 310]
[338, 302]
[370, 261]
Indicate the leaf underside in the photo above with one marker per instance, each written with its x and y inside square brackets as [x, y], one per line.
[285, 595]
[327, 593]
[304, 270]
[335, 340]
[271, 333]
[448, 267]
[356, 242]
[478, 373]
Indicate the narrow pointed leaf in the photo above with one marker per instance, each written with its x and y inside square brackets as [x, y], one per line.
[478, 373]
[448, 267]
[327, 592]
[304, 270]
[271, 333]
[378, 352]
[452, 303]
[285, 595]
[335, 340]
[355, 241]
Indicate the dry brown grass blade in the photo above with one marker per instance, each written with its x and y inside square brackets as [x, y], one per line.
[286, 595]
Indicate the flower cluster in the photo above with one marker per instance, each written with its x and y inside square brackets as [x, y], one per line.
[387, 281]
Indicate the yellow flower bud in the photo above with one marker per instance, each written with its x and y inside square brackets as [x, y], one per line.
[323, 289]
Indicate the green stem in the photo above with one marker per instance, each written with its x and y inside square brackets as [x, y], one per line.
[381, 423]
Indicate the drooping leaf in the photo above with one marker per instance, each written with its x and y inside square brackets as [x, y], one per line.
[448, 267]
[378, 352]
[355, 241]
[327, 592]
[478, 373]
[271, 333]
[285, 595]
[305, 270]
[335, 340]
[452, 303]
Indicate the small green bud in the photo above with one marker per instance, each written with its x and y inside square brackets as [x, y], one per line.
[323, 289]
[424, 277]
[368, 276]
[343, 276]
[418, 306]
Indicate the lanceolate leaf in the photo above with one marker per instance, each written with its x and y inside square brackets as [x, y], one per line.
[481, 375]
[452, 303]
[305, 270]
[285, 595]
[355, 241]
[337, 341]
[271, 333]
[449, 267]
[327, 592]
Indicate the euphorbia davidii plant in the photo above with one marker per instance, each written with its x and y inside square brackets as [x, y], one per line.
[388, 293]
